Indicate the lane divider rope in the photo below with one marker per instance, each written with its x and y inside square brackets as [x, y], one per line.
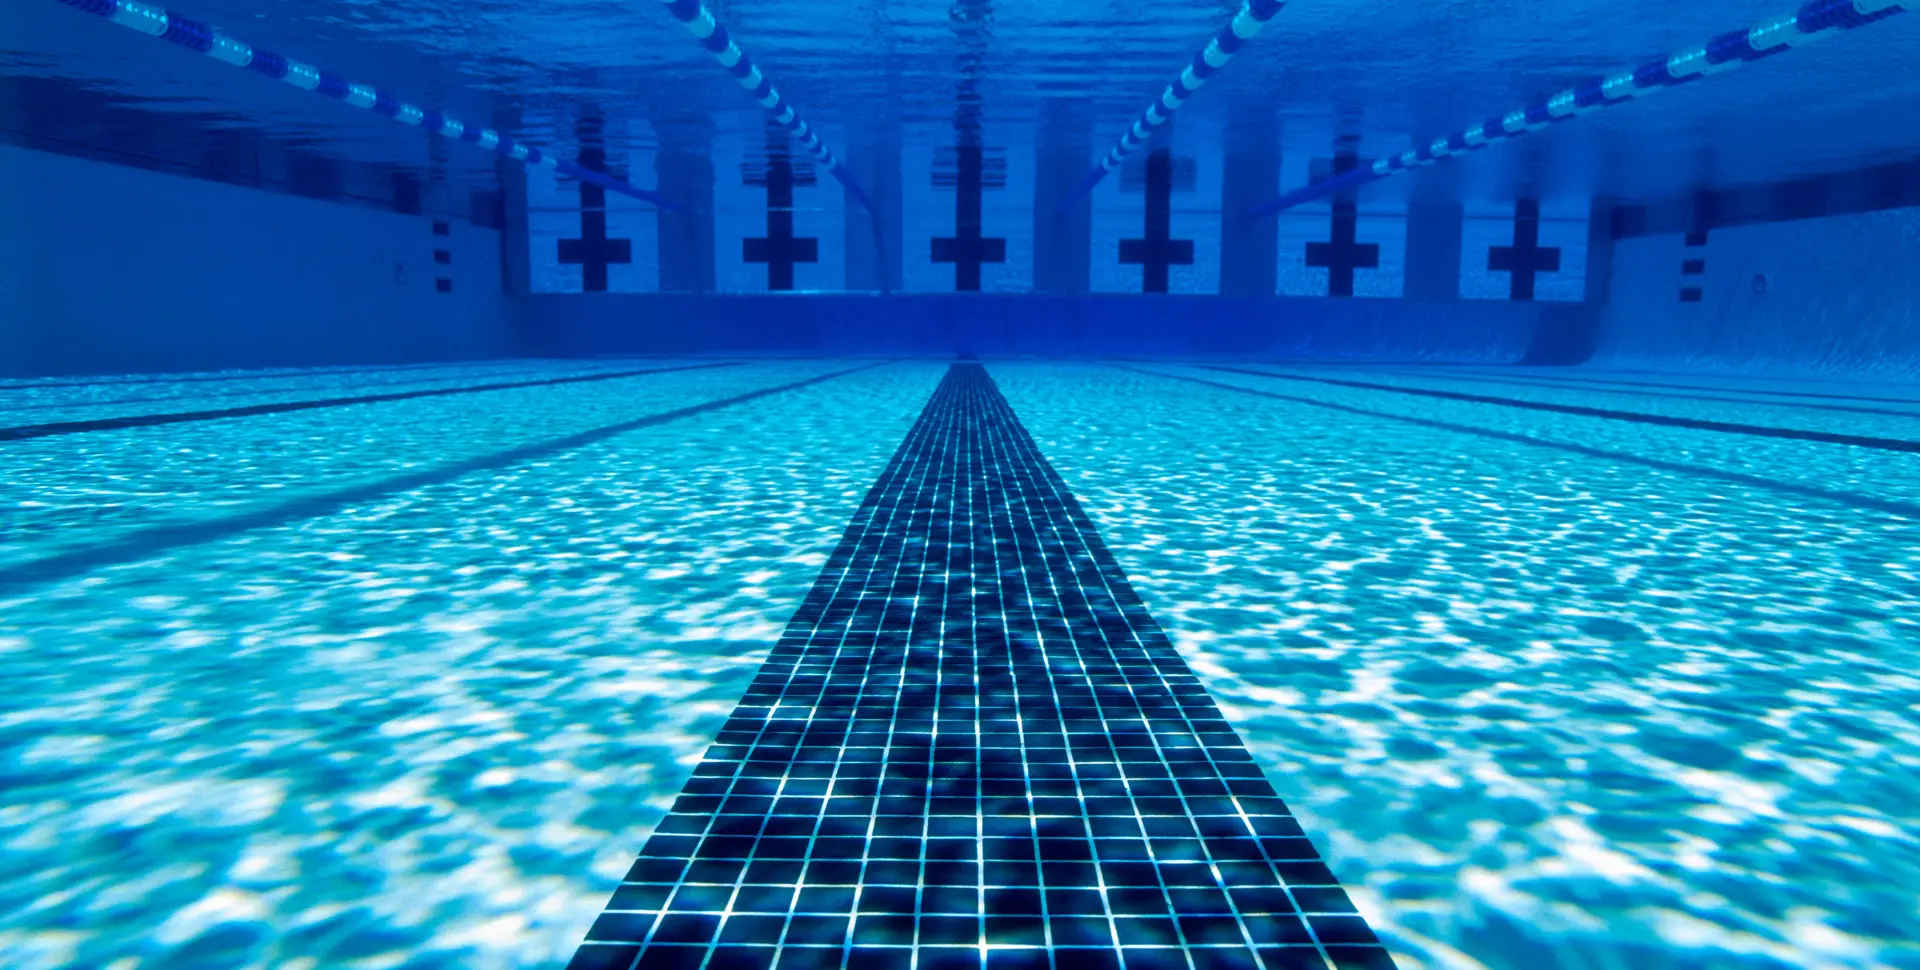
[1244, 27]
[713, 36]
[1813, 21]
[169, 26]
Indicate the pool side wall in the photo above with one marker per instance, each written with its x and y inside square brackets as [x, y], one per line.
[106, 268]
[1831, 296]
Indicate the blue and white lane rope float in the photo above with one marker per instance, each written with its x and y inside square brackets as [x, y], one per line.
[1813, 21]
[193, 35]
[699, 22]
[1244, 27]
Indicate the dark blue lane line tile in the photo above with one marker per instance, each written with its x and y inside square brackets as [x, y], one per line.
[1663, 385]
[32, 384]
[1858, 500]
[973, 748]
[147, 543]
[1589, 387]
[1663, 420]
[407, 379]
[29, 431]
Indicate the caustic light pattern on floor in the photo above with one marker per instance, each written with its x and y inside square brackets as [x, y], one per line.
[974, 747]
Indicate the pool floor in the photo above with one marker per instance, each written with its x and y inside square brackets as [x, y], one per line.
[418, 667]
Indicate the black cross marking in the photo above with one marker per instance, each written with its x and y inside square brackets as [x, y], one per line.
[1526, 258]
[1159, 250]
[593, 252]
[967, 249]
[1343, 253]
[780, 249]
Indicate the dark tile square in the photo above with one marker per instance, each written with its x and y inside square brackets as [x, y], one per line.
[671, 958]
[1013, 902]
[1223, 958]
[1017, 930]
[1277, 930]
[1074, 902]
[1089, 959]
[1137, 902]
[833, 873]
[809, 958]
[700, 899]
[1032, 959]
[950, 899]
[824, 930]
[763, 899]
[951, 874]
[1323, 899]
[685, 928]
[875, 958]
[1360, 958]
[955, 930]
[949, 958]
[596, 957]
[773, 872]
[741, 958]
[822, 899]
[753, 929]
[1292, 958]
[1145, 931]
[1261, 899]
[892, 873]
[1342, 929]
[621, 928]
[1155, 958]
[1210, 930]
[646, 897]
[1080, 931]
[891, 929]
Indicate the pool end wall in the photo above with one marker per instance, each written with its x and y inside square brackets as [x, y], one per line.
[1052, 326]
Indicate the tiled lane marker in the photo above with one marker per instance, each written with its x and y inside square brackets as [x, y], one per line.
[974, 748]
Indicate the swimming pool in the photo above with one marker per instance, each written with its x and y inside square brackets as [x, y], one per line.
[1168, 485]
[1542, 691]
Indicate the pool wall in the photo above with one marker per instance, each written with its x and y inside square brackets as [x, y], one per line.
[112, 269]
[1837, 294]
[107, 268]
[1479, 331]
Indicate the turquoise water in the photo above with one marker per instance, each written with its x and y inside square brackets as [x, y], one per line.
[407, 683]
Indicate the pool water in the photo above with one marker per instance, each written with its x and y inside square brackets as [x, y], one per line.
[408, 683]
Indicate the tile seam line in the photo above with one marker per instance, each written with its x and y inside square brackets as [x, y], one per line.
[1693, 424]
[1851, 500]
[30, 432]
[162, 538]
